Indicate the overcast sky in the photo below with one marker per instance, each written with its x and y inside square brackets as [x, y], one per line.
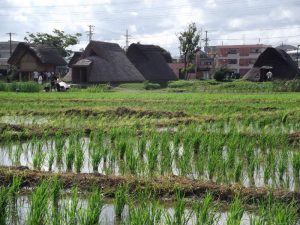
[157, 21]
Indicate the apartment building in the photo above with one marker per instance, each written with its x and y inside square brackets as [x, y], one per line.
[238, 58]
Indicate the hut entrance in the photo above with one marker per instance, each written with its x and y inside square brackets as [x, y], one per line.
[79, 75]
[80, 71]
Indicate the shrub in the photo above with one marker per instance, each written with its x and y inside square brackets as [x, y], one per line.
[291, 85]
[99, 88]
[180, 84]
[222, 74]
[20, 87]
[151, 86]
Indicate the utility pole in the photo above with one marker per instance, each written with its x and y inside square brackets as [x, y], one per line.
[298, 55]
[10, 46]
[127, 36]
[91, 32]
[206, 41]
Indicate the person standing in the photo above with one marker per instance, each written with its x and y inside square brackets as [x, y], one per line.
[35, 76]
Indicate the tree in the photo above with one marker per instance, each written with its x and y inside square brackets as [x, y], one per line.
[58, 39]
[189, 41]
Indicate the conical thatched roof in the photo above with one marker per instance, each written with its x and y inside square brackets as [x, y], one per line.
[148, 59]
[108, 63]
[277, 61]
[44, 54]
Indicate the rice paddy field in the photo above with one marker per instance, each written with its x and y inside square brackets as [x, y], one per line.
[150, 157]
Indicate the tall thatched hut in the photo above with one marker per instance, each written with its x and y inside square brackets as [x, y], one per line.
[29, 58]
[150, 61]
[103, 62]
[277, 61]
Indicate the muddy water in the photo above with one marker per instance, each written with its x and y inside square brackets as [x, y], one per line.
[23, 154]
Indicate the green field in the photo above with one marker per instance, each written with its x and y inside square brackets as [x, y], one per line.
[176, 155]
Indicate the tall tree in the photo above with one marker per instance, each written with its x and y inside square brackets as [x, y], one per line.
[58, 39]
[189, 41]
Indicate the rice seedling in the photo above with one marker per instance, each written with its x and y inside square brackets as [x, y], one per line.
[152, 156]
[147, 213]
[50, 160]
[17, 155]
[238, 172]
[39, 205]
[70, 157]
[59, 146]
[296, 164]
[142, 143]
[205, 212]
[96, 158]
[121, 147]
[236, 212]
[180, 216]
[38, 159]
[91, 215]
[72, 209]
[79, 158]
[3, 205]
[120, 199]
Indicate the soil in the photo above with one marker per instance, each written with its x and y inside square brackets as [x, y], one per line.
[165, 187]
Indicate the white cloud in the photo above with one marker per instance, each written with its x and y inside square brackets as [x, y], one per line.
[155, 21]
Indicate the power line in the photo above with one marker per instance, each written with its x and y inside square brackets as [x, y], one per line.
[10, 47]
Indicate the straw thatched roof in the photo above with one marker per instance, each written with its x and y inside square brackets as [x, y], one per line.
[44, 54]
[148, 59]
[106, 62]
[275, 60]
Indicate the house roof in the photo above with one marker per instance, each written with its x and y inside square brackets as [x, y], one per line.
[278, 61]
[109, 63]
[148, 59]
[44, 54]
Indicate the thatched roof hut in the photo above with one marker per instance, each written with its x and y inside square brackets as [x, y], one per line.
[103, 62]
[275, 60]
[29, 57]
[148, 59]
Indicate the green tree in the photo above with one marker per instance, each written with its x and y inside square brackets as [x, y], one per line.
[58, 39]
[189, 40]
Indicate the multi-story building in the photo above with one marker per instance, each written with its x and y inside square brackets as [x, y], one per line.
[5, 54]
[238, 58]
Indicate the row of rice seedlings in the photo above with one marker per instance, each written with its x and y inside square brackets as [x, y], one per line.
[142, 209]
[162, 150]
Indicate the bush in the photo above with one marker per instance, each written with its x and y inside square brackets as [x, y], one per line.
[151, 86]
[99, 88]
[20, 87]
[180, 84]
[222, 74]
[288, 86]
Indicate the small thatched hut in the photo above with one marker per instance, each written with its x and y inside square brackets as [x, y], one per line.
[149, 60]
[29, 58]
[276, 61]
[103, 62]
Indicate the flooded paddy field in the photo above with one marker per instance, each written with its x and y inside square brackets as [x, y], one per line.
[241, 148]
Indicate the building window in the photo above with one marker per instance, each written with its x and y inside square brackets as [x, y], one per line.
[254, 50]
[232, 61]
[232, 51]
[252, 61]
